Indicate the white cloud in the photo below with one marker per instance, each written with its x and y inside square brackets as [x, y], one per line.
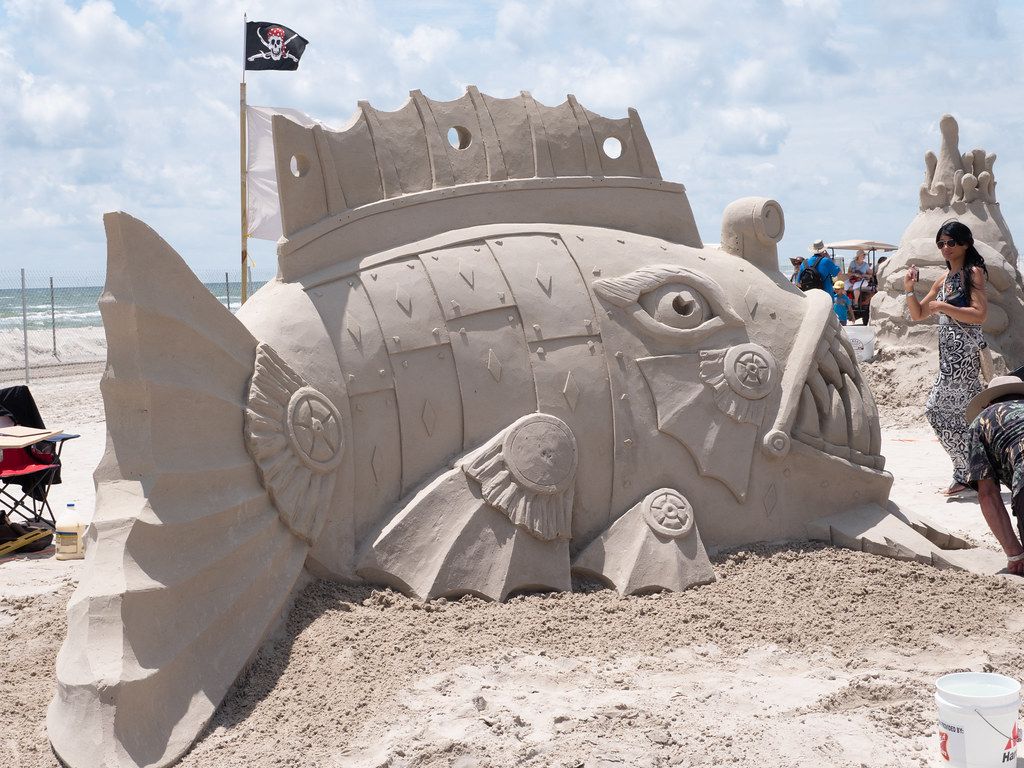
[753, 131]
[51, 111]
[89, 40]
[826, 105]
[830, 7]
[423, 46]
[519, 22]
[40, 218]
[872, 190]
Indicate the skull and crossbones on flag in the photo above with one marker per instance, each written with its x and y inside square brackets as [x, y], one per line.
[272, 46]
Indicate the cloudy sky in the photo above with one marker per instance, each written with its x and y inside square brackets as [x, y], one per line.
[827, 106]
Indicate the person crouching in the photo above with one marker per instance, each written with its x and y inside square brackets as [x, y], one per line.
[995, 454]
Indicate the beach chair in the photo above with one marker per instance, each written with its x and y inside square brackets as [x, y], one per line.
[26, 475]
[25, 480]
[27, 471]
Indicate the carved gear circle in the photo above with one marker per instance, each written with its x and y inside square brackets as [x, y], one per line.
[314, 428]
[669, 513]
[541, 453]
[777, 443]
[750, 370]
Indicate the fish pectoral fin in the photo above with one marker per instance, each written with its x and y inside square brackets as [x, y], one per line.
[499, 522]
[935, 533]
[872, 528]
[528, 472]
[447, 541]
[879, 531]
[654, 546]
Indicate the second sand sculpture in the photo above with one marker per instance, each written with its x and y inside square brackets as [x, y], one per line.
[496, 351]
[962, 187]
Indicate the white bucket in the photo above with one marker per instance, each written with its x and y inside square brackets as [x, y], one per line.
[978, 720]
[862, 339]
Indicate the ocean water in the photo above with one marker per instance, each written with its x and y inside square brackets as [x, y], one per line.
[76, 307]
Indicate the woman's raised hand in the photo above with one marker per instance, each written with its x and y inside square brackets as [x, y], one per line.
[910, 278]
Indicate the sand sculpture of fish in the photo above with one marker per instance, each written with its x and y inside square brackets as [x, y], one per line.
[484, 363]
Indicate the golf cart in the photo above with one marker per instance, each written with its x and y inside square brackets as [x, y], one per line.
[872, 248]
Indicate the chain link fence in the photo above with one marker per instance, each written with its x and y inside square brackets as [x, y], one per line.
[50, 321]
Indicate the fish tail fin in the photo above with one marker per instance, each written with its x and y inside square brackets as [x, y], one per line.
[188, 563]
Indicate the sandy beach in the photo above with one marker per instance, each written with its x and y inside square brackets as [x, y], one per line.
[799, 655]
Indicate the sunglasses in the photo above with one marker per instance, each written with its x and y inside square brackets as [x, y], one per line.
[946, 243]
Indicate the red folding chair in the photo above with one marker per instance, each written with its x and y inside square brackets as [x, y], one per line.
[25, 479]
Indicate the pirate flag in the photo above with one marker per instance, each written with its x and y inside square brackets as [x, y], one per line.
[272, 46]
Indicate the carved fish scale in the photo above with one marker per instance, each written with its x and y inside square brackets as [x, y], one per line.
[515, 307]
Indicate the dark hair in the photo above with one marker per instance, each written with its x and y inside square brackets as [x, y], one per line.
[961, 233]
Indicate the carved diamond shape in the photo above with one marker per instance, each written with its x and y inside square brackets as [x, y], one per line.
[543, 277]
[466, 272]
[571, 391]
[493, 365]
[375, 465]
[429, 417]
[751, 298]
[404, 299]
[771, 498]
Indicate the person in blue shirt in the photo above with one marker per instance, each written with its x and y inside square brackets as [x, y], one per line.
[841, 302]
[823, 263]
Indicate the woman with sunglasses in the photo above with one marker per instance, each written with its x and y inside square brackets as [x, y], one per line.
[958, 298]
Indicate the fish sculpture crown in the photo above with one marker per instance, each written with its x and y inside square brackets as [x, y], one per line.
[561, 163]
[427, 144]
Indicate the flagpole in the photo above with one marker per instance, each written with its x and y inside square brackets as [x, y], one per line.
[244, 171]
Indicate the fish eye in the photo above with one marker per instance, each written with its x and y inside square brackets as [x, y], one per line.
[677, 306]
[670, 302]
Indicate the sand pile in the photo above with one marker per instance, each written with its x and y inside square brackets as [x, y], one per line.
[31, 631]
[718, 675]
[900, 378]
[797, 655]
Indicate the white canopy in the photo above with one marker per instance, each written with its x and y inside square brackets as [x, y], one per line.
[860, 245]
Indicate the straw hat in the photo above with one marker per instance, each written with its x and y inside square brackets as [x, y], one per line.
[838, 285]
[999, 386]
[817, 246]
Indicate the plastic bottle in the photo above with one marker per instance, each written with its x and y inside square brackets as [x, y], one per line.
[70, 535]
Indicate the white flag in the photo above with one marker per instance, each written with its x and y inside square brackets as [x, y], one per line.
[262, 203]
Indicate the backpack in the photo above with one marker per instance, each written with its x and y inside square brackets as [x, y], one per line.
[810, 278]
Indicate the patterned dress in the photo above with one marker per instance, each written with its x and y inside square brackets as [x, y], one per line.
[960, 346]
[996, 450]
